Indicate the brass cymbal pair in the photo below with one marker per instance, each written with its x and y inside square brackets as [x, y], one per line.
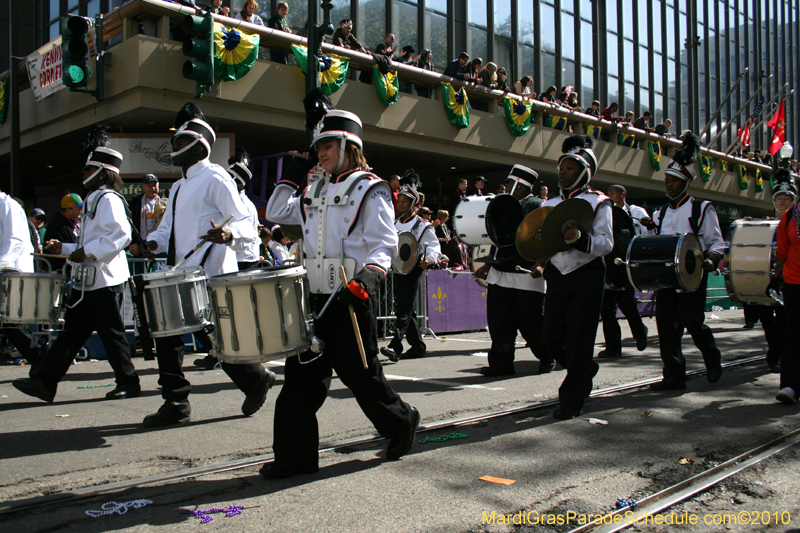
[541, 234]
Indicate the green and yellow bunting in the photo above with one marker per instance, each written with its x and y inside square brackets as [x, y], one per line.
[654, 148]
[387, 86]
[759, 181]
[235, 52]
[593, 130]
[723, 165]
[741, 177]
[332, 69]
[456, 103]
[548, 121]
[3, 100]
[626, 139]
[559, 123]
[771, 184]
[518, 115]
[706, 165]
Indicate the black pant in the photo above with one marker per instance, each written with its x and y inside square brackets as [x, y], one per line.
[305, 388]
[98, 311]
[247, 265]
[21, 338]
[675, 311]
[405, 324]
[508, 311]
[790, 357]
[626, 300]
[174, 385]
[571, 307]
[750, 313]
[773, 320]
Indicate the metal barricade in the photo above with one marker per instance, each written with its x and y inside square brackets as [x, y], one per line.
[387, 309]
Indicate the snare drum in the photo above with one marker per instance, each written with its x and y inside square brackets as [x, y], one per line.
[175, 301]
[487, 220]
[750, 261]
[665, 262]
[30, 298]
[261, 314]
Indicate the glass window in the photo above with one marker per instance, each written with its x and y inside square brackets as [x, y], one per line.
[92, 8]
[611, 16]
[613, 92]
[567, 36]
[406, 25]
[341, 10]
[672, 90]
[526, 57]
[644, 104]
[502, 52]
[476, 12]
[684, 88]
[673, 113]
[548, 28]
[372, 19]
[568, 6]
[701, 13]
[658, 110]
[437, 5]
[567, 73]
[72, 4]
[476, 47]
[525, 21]
[502, 17]
[612, 51]
[586, 44]
[587, 87]
[641, 15]
[658, 66]
[644, 67]
[627, 16]
[671, 32]
[655, 28]
[298, 18]
[436, 38]
[684, 117]
[683, 34]
[627, 104]
[55, 30]
[548, 71]
[54, 8]
[586, 9]
[701, 50]
[628, 58]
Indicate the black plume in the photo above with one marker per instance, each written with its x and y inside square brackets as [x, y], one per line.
[98, 136]
[189, 111]
[411, 179]
[577, 141]
[317, 105]
[688, 151]
[240, 156]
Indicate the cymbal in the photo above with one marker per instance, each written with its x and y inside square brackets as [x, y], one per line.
[293, 231]
[575, 211]
[408, 253]
[529, 238]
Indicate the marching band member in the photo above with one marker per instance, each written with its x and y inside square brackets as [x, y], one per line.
[675, 310]
[99, 256]
[347, 220]
[206, 194]
[406, 287]
[575, 279]
[239, 171]
[624, 297]
[788, 268]
[514, 300]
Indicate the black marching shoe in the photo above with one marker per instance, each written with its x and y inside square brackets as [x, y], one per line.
[606, 354]
[546, 366]
[169, 413]
[273, 471]
[414, 353]
[256, 397]
[391, 354]
[401, 445]
[490, 372]
[641, 342]
[124, 391]
[36, 388]
[669, 384]
[566, 413]
[207, 363]
[714, 373]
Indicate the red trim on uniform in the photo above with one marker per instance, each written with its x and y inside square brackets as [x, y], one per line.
[412, 215]
[682, 201]
[588, 242]
[376, 267]
[303, 203]
[345, 174]
[357, 290]
[703, 210]
[376, 181]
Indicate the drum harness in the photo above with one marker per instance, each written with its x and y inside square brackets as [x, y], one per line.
[694, 220]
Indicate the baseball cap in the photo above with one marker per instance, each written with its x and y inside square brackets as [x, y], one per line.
[71, 200]
[408, 48]
[149, 178]
[36, 213]
[480, 178]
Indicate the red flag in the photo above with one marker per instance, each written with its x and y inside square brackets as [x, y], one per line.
[744, 134]
[778, 125]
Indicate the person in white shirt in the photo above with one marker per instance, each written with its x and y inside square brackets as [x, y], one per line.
[278, 246]
[99, 256]
[575, 279]
[678, 310]
[197, 203]
[248, 13]
[239, 171]
[347, 219]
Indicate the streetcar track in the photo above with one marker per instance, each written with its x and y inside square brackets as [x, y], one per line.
[87, 492]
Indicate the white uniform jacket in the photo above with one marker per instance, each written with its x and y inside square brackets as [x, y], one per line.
[279, 252]
[15, 239]
[423, 231]
[252, 252]
[601, 238]
[206, 193]
[358, 225]
[676, 220]
[103, 238]
[636, 213]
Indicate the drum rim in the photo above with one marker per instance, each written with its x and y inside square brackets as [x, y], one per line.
[166, 274]
[396, 270]
[487, 218]
[41, 275]
[246, 277]
[677, 261]
[730, 285]
[456, 216]
[289, 352]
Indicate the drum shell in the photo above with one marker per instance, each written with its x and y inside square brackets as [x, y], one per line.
[176, 301]
[492, 220]
[31, 298]
[247, 307]
[469, 220]
[750, 260]
[665, 262]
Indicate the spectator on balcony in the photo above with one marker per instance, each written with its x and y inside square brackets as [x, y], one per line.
[387, 47]
[523, 87]
[457, 67]
[278, 22]
[641, 124]
[488, 75]
[344, 37]
[594, 110]
[425, 62]
[610, 114]
[407, 58]
[549, 95]
[663, 128]
[502, 80]
[217, 9]
[248, 13]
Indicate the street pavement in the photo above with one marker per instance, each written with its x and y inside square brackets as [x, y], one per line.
[82, 440]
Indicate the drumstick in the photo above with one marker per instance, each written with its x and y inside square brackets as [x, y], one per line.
[525, 270]
[55, 256]
[343, 275]
[201, 243]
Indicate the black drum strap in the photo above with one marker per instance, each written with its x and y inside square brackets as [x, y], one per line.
[694, 221]
[171, 246]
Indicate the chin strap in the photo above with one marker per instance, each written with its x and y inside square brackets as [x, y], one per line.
[90, 178]
[185, 148]
[680, 194]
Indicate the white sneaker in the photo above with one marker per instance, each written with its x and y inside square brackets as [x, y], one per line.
[786, 395]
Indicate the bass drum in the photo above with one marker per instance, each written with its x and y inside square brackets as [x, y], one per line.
[487, 220]
[478, 257]
[750, 261]
[617, 275]
[665, 262]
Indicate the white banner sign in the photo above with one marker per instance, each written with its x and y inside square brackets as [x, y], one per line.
[150, 155]
[44, 70]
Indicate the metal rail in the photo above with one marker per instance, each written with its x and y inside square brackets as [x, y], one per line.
[87, 492]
